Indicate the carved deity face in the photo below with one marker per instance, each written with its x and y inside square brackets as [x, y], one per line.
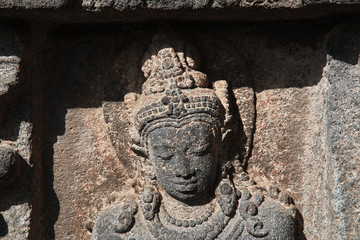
[185, 159]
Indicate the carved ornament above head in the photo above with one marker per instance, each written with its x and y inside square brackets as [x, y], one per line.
[186, 130]
[174, 91]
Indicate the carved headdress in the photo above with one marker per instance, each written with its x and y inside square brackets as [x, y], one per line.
[174, 92]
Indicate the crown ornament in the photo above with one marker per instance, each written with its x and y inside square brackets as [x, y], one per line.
[174, 91]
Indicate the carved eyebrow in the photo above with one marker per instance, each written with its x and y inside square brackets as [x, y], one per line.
[202, 141]
[199, 147]
[164, 146]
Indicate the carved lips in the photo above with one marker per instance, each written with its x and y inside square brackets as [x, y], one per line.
[186, 186]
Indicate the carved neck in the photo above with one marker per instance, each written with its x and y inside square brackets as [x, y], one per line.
[189, 210]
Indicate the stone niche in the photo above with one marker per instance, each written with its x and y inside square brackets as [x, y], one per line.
[101, 117]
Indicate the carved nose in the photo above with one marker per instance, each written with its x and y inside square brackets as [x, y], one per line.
[185, 173]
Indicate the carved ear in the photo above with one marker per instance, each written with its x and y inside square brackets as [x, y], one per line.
[137, 147]
[139, 150]
[130, 100]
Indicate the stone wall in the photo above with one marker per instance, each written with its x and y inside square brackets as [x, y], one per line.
[64, 155]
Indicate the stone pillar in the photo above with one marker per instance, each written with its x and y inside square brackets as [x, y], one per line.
[342, 132]
[15, 139]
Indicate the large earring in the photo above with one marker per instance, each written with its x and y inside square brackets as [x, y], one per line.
[226, 193]
[152, 179]
[149, 201]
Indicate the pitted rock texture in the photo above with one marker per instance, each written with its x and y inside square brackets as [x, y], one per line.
[30, 4]
[304, 116]
[8, 166]
[85, 11]
[201, 4]
[15, 139]
[10, 55]
[15, 193]
[342, 131]
[182, 126]
[287, 147]
[165, 5]
[89, 71]
[149, 4]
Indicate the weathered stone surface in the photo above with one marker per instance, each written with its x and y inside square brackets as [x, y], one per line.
[149, 4]
[167, 5]
[190, 180]
[9, 67]
[15, 140]
[85, 11]
[8, 165]
[33, 4]
[311, 2]
[294, 99]
[294, 89]
[10, 55]
[201, 4]
[289, 95]
[342, 131]
[16, 219]
[15, 195]
[77, 148]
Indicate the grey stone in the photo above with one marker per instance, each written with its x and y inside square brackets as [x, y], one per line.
[187, 182]
[33, 4]
[342, 131]
[310, 2]
[10, 55]
[16, 219]
[87, 73]
[9, 70]
[15, 139]
[97, 5]
[167, 5]
[8, 165]
[15, 194]
[80, 11]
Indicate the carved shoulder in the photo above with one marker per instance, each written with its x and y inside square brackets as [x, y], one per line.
[266, 214]
[115, 221]
[278, 219]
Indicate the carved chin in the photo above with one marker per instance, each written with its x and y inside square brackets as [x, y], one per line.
[186, 195]
[187, 192]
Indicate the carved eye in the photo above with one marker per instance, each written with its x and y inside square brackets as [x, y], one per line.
[166, 156]
[200, 153]
[163, 152]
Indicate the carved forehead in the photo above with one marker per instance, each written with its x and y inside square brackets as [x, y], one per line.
[199, 123]
[184, 130]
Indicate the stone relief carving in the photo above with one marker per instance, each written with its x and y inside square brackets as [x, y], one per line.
[191, 185]
[15, 139]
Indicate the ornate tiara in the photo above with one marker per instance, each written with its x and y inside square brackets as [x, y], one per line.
[173, 91]
[175, 105]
